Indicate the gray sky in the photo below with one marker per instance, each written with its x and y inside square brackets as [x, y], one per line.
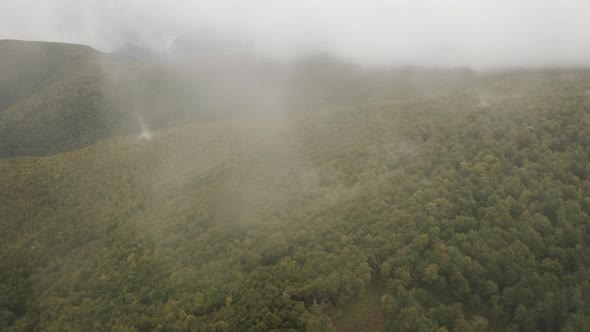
[425, 32]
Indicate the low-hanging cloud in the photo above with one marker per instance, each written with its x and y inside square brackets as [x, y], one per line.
[475, 33]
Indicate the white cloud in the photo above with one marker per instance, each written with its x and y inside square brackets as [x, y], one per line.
[429, 32]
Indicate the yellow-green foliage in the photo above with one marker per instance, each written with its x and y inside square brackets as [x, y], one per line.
[468, 215]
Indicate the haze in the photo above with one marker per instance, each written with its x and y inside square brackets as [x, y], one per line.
[442, 33]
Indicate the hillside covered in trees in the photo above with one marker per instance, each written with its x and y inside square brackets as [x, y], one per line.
[458, 200]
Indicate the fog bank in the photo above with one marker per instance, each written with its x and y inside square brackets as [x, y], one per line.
[473, 33]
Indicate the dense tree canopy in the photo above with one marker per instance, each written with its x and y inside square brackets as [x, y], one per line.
[466, 210]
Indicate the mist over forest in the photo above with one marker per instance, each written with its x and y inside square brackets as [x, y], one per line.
[456, 33]
[294, 166]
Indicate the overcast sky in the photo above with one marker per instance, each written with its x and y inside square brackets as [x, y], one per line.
[425, 32]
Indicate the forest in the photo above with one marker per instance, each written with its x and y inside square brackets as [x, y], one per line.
[438, 200]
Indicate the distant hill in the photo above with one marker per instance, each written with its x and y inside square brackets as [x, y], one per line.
[58, 97]
[51, 98]
[29, 67]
